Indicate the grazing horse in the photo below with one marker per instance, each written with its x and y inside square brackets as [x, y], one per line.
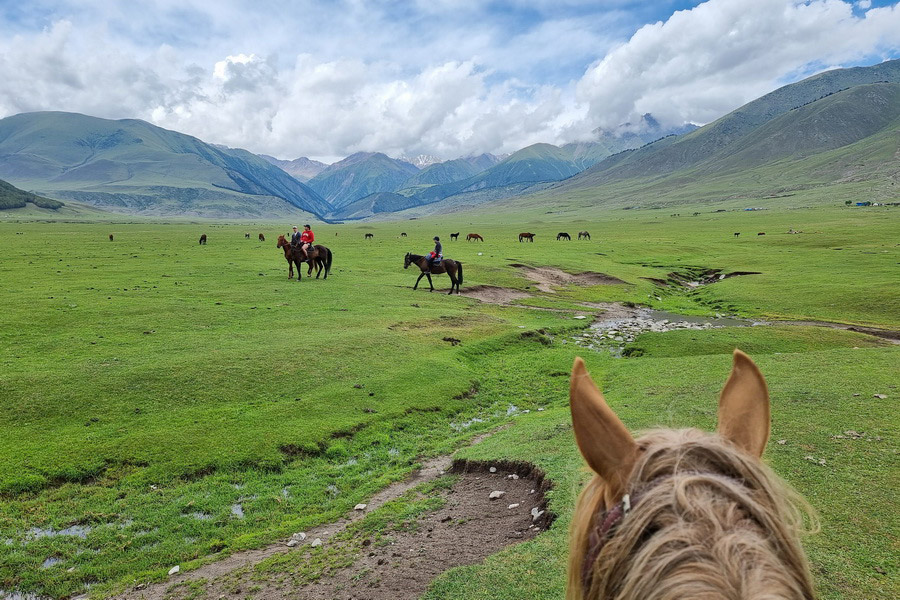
[473, 236]
[203, 240]
[684, 513]
[737, 233]
[262, 238]
[584, 235]
[369, 236]
[452, 268]
[761, 233]
[454, 236]
[562, 235]
[110, 237]
[526, 236]
[247, 236]
[320, 258]
[403, 234]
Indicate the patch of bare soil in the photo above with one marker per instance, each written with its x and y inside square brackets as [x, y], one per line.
[494, 295]
[546, 278]
[469, 527]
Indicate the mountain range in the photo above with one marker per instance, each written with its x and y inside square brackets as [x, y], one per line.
[805, 134]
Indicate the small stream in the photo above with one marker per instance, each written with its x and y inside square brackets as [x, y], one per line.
[619, 325]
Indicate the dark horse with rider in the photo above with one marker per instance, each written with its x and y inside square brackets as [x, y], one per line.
[302, 249]
[434, 262]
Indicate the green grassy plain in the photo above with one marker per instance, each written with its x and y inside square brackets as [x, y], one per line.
[149, 386]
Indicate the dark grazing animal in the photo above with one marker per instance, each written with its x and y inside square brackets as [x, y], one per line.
[562, 235]
[737, 233]
[454, 236]
[451, 267]
[403, 234]
[110, 237]
[474, 237]
[369, 236]
[247, 235]
[683, 513]
[761, 233]
[203, 239]
[262, 238]
[584, 235]
[526, 236]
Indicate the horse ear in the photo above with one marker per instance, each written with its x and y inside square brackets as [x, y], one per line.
[744, 406]
[602, 438]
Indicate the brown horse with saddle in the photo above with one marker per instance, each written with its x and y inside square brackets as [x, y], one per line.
[319, 258]
[452, 268]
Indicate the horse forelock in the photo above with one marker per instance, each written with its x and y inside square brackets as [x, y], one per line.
[709, 522]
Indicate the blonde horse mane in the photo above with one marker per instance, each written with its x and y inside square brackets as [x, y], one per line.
[683, 514]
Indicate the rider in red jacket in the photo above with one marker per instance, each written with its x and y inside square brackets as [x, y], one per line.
[306, 239]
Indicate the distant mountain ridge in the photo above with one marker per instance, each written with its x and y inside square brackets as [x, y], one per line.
[132, 166]
[302, 169]
[359, 175]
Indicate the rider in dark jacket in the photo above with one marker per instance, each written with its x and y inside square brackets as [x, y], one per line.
[436, 254]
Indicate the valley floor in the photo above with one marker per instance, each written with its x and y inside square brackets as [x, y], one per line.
[164, 403]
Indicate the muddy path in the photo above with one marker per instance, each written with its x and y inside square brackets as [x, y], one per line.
[469, 526]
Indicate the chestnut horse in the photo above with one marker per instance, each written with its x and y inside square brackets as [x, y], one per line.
[473, 236]
[294, 255]
[203, 240]
[450, 267]
[683, 513]
[262, 238]
[526, 236]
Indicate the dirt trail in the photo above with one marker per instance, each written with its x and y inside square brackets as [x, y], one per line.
[468, 528]
[546, 278]
[493, 294]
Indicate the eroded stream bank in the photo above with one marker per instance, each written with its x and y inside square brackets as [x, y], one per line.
[389, 549]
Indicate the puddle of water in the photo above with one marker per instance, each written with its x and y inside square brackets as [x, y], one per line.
[465, 424]
[7, 595]
[51, 560]
[237, 510]
[201, 516]
[36, 533]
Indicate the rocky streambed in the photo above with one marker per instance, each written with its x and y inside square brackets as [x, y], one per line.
[620, 325]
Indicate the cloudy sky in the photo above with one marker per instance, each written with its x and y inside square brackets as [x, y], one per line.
[446, 77]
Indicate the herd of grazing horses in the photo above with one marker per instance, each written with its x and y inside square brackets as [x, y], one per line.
[320, 257]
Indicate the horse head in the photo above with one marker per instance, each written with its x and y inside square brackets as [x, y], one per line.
[407, 260]
[282, 242]
[673, 494]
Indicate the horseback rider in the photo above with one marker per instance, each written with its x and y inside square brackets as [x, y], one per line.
[306, 240]
[295, 237]
[436, 254]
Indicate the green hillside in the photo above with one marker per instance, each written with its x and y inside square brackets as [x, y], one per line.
[359, 175]
[673, 154]
[13, 197]
[133, 166]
